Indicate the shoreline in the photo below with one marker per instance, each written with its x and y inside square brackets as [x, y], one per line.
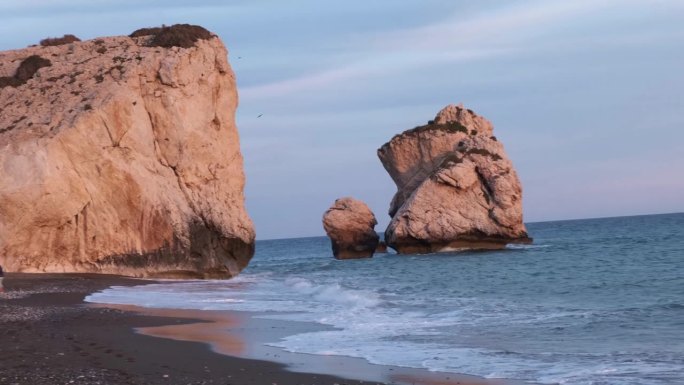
[244, 334]
[53, 336]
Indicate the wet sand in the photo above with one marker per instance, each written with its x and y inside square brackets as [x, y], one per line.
[48, 335]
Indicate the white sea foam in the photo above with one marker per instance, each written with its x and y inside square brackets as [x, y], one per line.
[223, 300]
[516, 246]
[334, 293]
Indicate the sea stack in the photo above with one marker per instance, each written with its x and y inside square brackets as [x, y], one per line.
[456, 187]
[121, 155]
[350, 224]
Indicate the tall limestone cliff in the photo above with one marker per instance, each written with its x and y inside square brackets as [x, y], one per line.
[121, 155]
[456, 188]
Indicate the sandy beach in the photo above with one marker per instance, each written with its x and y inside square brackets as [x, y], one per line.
[50, 336]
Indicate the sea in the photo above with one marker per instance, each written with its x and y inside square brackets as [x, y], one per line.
[596, 301]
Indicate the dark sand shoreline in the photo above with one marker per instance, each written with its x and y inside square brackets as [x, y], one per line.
[48, 335]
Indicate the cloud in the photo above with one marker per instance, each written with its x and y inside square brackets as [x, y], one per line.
[449, 41]
[32, 7]
[490, 27]
[380, 65]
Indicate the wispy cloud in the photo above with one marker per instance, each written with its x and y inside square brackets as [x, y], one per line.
[376, 65]
[510, 23]
[60, 6]
[504, 31]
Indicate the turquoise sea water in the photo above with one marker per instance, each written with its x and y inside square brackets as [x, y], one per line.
[597, 301]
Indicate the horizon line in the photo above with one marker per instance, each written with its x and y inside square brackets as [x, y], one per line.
[526, 223]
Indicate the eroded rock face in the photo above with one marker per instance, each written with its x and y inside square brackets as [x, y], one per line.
[120, 157]
[456, 188]
[350, 225]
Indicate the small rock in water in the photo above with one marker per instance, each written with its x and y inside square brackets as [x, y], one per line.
[350, 225]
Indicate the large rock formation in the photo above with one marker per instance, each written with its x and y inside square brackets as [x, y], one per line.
[456, 188]
[121, 155]
[350, 225]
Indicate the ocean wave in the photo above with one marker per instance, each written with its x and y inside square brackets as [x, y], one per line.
[516, 246]
[334, 293]
[222, 300]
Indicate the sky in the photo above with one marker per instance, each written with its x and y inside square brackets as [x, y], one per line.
[586, 96]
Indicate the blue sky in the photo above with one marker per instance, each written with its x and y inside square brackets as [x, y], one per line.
[587, 96]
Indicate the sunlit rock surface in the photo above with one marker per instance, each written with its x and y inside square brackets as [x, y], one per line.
[122, 157]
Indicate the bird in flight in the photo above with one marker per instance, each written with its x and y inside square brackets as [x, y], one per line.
[260, 115]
